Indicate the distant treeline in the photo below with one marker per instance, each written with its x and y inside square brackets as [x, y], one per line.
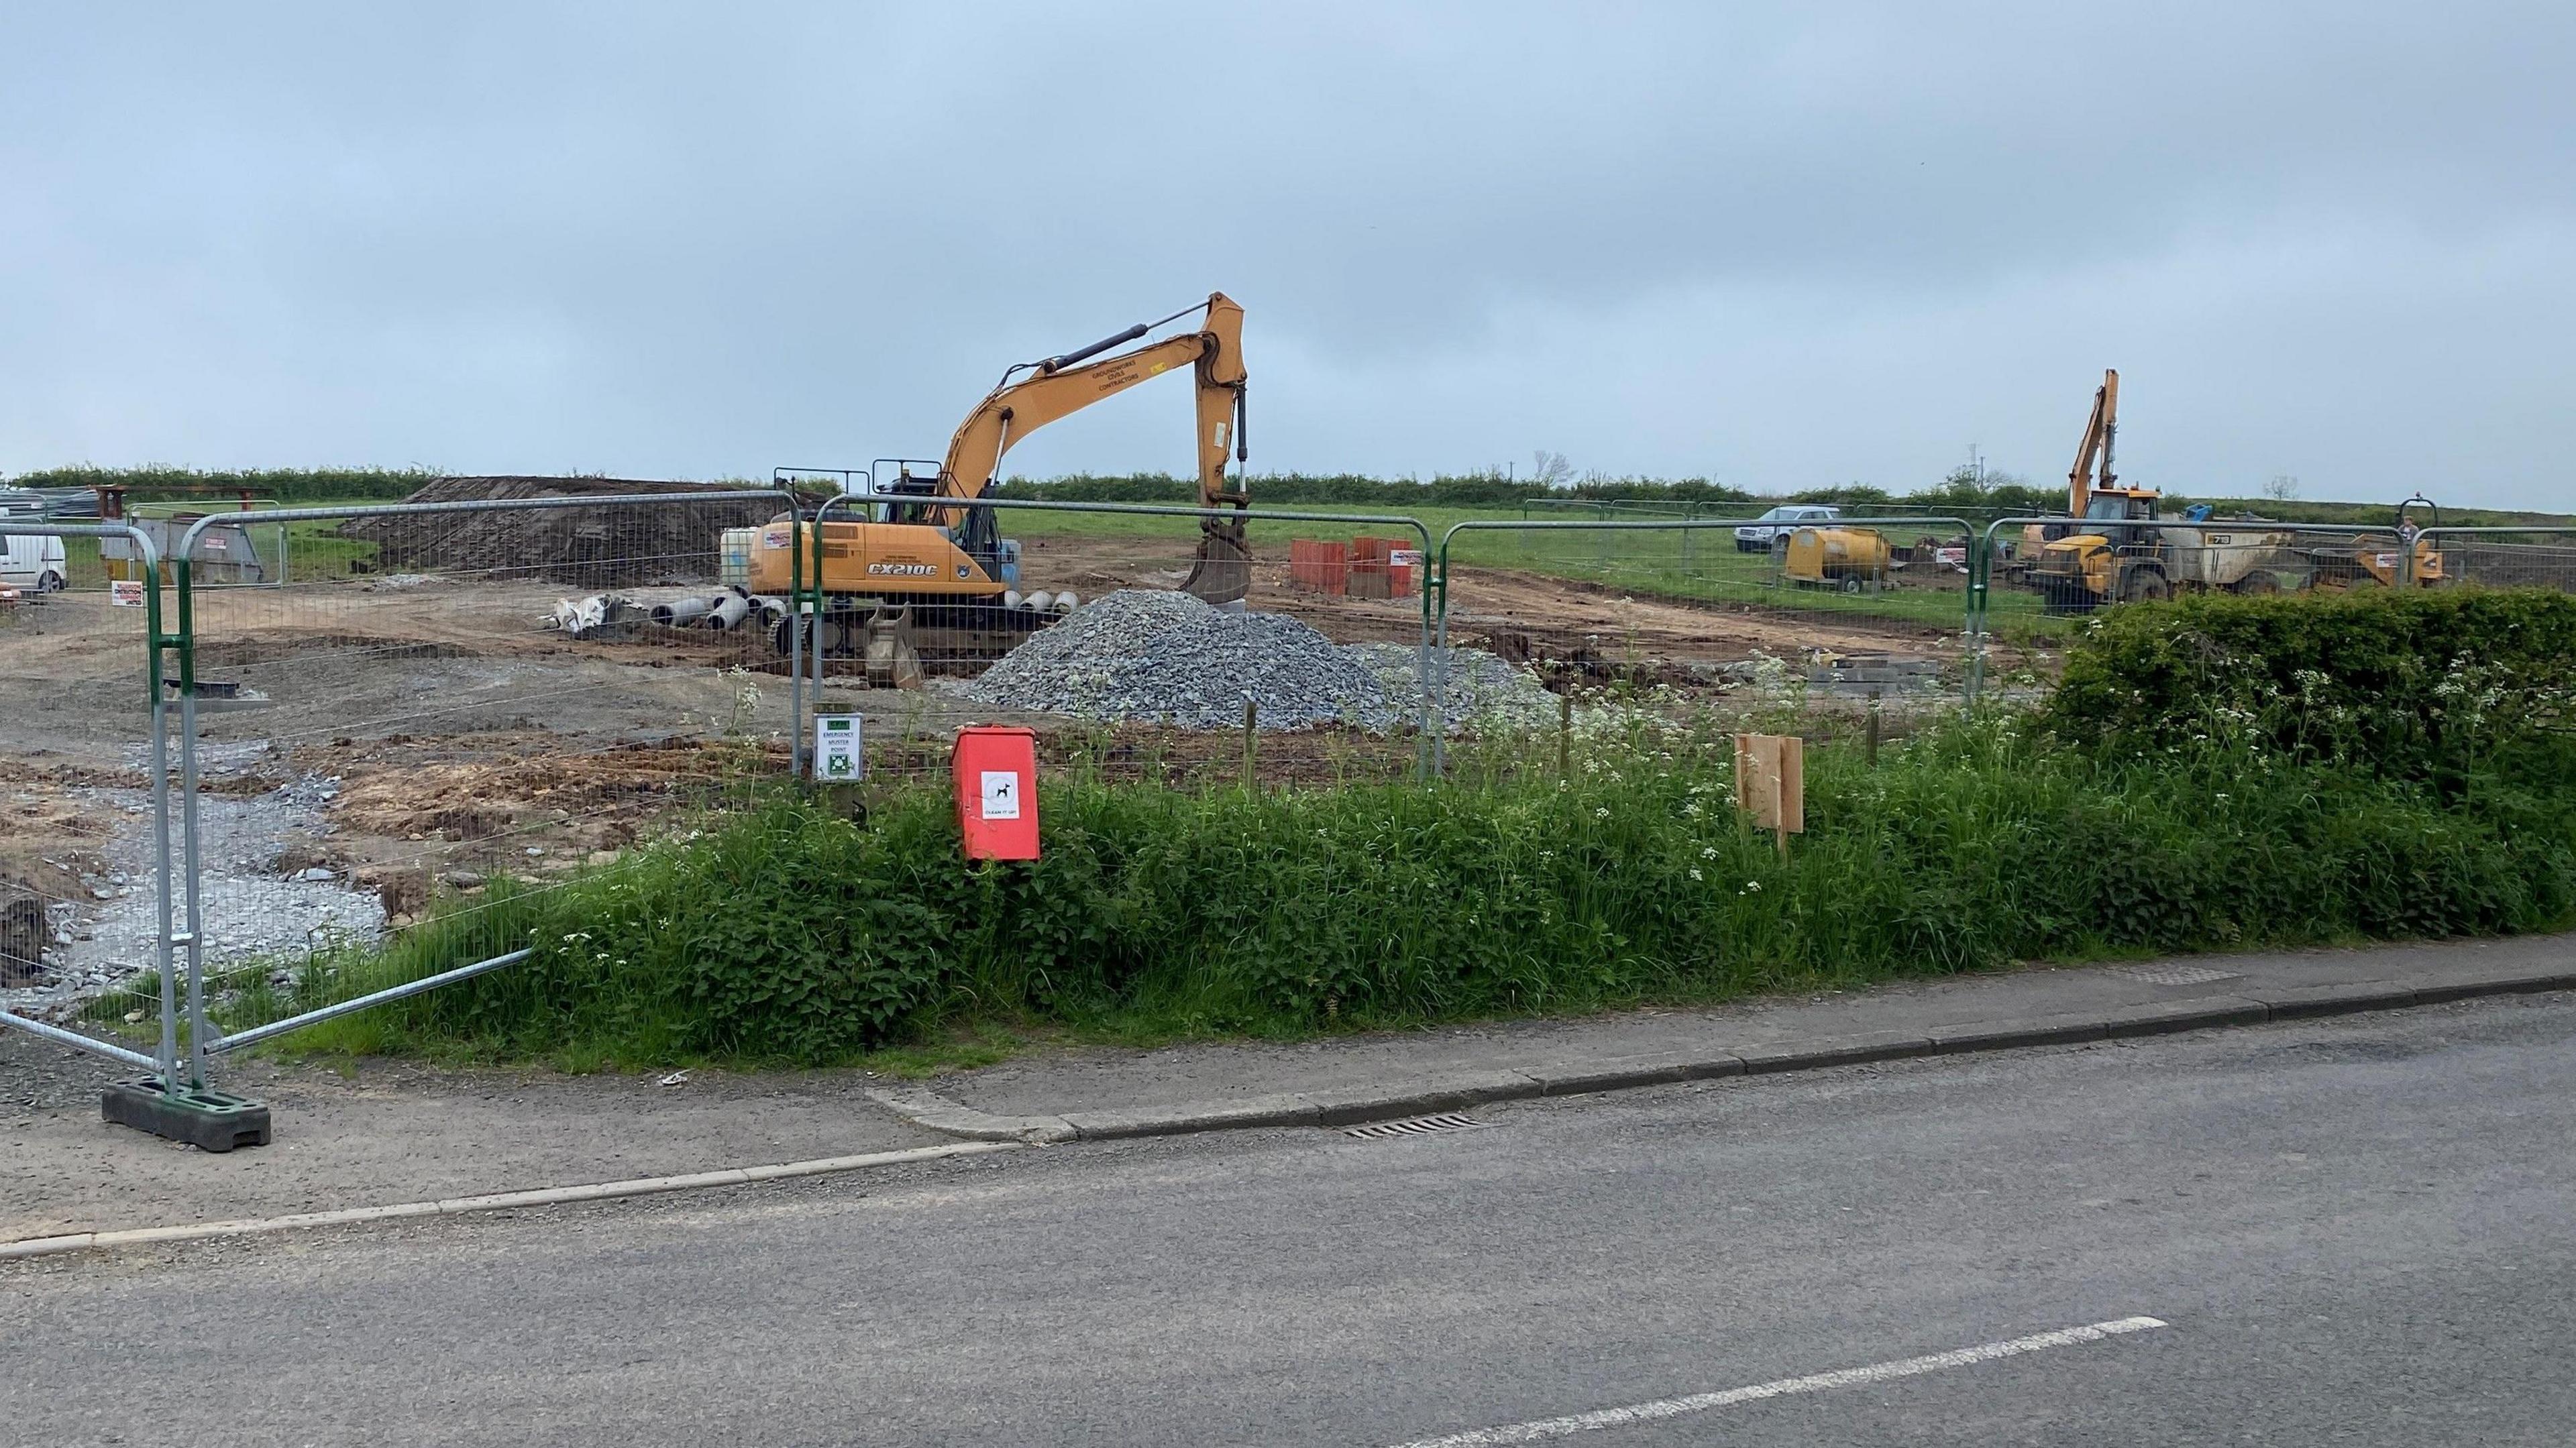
[2381, 515]
[284, 485]
[1963, 493]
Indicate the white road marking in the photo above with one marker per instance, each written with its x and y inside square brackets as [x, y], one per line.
[1567, 1427]
[497, 1201]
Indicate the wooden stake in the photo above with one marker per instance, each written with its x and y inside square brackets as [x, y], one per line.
[1873, 729]
[1565, 735]
[1251, 719]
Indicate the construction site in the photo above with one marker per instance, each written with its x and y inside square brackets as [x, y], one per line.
[389, 705]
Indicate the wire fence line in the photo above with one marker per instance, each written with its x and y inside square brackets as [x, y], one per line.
[88, 939]
[465, 705]
[444, 712]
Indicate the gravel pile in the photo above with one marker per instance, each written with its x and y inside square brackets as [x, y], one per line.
[1479, 689]
[1165, 657]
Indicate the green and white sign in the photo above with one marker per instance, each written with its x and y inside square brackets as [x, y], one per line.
[836, 748]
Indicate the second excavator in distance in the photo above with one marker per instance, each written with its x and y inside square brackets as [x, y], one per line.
[913, 574]
[2116, 546]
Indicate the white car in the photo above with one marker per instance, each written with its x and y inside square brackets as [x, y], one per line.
[1761, 536]
[31, 561]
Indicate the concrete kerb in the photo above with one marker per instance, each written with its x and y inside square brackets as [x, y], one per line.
[1455, 1091]
[988, 1132]
[493, 1201]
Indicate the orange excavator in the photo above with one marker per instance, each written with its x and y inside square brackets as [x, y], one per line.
[920, 575]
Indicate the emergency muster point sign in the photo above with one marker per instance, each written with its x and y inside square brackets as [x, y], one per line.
[997, 791]
[838, 756]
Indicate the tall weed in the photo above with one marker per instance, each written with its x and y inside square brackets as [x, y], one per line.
[793, 932]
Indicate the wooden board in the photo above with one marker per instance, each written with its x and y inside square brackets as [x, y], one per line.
[1771, 781]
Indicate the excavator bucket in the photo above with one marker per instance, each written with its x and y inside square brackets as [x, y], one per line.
[892, 661]
[1223, 573]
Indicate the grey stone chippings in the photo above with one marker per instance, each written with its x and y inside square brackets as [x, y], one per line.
[1477, 689]
[1165, 657]
[247, 909]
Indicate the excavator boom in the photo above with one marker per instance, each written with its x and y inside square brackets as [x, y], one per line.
[2098, 433]
[1068, 383]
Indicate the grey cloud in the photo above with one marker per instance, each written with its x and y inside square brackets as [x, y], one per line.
[1779, 244]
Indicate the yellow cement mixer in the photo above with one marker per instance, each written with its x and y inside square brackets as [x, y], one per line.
[1846, 558]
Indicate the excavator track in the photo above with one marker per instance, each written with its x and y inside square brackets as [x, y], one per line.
[901, 641]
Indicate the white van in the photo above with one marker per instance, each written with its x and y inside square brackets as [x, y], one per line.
[30, 561]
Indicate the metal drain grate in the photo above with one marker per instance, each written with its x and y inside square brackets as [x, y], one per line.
[1415, 1126]
[2179, 974]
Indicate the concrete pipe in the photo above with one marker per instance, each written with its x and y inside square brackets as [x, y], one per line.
[1067, 601]
[680, 612]
[1040, 600]
[729, 612]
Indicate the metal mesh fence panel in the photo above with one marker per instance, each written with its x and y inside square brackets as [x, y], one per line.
[1092, 641]
[83, 860]
[2498, 557]
[1701, 607]
[446, 711]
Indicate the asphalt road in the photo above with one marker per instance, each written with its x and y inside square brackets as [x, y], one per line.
[2355, 1231]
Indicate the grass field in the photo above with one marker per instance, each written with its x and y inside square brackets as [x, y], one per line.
[1698, 564]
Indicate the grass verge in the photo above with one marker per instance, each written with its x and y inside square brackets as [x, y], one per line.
[795, 933]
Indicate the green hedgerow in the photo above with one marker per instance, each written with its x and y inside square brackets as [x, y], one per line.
[2406, 682]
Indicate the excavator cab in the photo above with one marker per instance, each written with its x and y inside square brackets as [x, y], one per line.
[900, 492]
[2124, 506]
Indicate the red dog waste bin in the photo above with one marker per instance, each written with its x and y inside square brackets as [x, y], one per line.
[997, 791]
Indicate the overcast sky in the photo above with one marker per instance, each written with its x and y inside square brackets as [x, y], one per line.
[1773, 245]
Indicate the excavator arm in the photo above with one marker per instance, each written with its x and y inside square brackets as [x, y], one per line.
[2098, 433]
[1066, 384]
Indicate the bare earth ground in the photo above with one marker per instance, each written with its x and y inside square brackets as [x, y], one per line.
[370, 741]
[444, 674]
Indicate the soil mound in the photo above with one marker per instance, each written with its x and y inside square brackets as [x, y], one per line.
[602, 547]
